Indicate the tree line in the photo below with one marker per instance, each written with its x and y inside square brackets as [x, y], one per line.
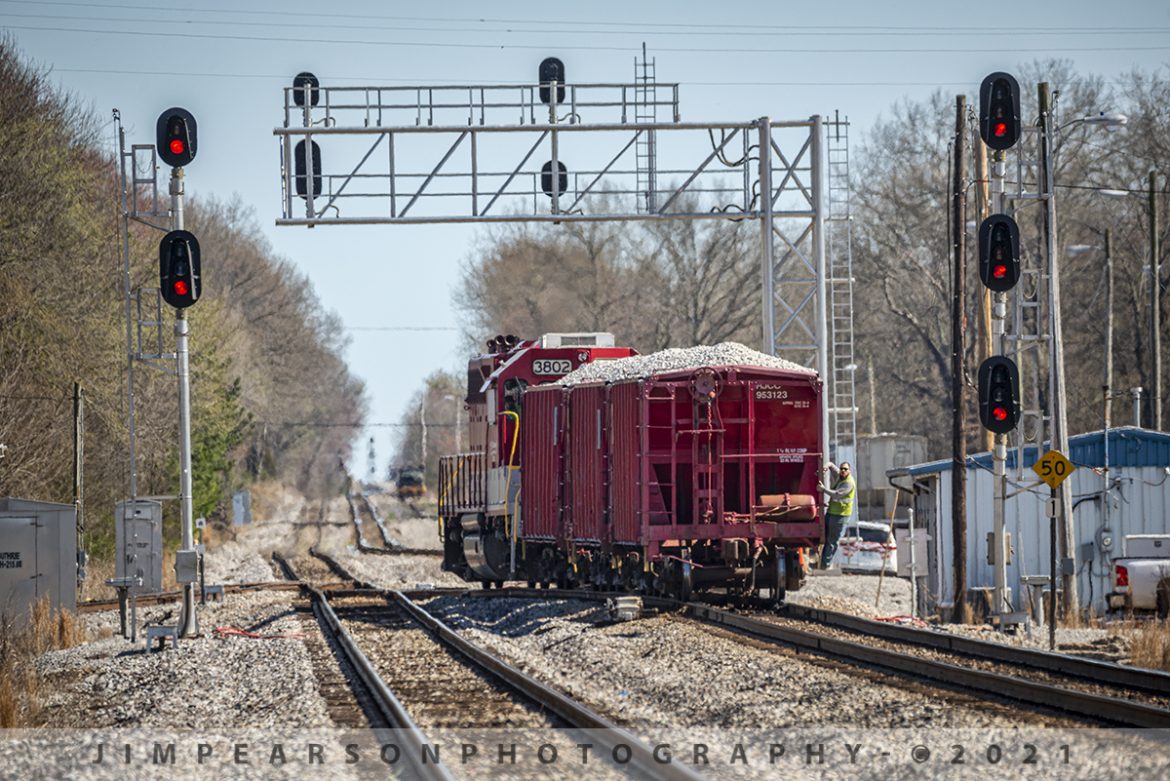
[267, 372]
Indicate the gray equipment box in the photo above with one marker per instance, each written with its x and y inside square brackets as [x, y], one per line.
[241, 507]
[138, 543]
[38, 557]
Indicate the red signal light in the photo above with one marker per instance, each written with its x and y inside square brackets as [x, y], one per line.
[177, 146]
[181, 287]
[1000, 129]
[999, 271]
[999, 413]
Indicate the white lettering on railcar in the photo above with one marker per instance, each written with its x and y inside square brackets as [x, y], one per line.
[771, 392]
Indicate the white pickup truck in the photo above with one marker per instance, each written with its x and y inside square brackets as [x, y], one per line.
[1141, 578]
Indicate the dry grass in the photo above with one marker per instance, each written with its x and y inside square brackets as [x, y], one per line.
[1149, 643]
[97, 572]
[19, 647]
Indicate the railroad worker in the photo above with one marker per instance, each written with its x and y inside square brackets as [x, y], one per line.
[840, 508]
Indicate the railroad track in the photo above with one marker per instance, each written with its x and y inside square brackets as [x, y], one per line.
[389, 642]
[164, 597]
[1101, 692]
[362, 511]
[1097, 691]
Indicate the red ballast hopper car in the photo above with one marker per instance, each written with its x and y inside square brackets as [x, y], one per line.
[682, 470]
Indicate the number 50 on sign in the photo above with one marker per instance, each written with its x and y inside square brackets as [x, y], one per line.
[1053, 468]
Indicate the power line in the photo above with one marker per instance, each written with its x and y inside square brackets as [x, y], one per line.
[439, 82]
[284, 77]
[562, 47]
[401, 328]
[355, 424]
[638, 26]
[753, 33]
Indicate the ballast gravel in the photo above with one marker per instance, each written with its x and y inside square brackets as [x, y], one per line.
[666, 672]
[868, 596]
[230, 681]
[674, 360]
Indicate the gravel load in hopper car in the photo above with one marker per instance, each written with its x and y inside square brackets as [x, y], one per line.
[679, 470]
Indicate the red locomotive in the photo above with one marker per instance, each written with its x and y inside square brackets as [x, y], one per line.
[636, 472]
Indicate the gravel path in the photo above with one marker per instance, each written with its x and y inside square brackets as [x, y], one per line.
[643, 673]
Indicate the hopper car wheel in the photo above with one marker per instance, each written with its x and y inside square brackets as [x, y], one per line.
[685, 582]
[778, 588]
[675, 581]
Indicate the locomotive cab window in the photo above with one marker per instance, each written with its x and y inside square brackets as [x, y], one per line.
[513, 391]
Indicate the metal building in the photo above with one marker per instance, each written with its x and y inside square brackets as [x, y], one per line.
[1139, 495]
[38, 557]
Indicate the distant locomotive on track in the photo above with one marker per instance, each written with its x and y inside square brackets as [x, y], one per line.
[592, 465]
[410, 483]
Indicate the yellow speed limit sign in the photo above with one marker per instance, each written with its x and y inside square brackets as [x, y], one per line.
[1053, 468]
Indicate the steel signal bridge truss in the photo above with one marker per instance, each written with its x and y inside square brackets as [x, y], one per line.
[484, 154]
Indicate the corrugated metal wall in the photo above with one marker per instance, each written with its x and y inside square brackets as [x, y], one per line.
[1141, 505]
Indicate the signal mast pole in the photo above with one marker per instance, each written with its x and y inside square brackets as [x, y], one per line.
[188, 622]
[999, 446]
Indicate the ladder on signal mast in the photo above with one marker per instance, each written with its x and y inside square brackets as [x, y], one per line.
[645, 151]
[839, 248]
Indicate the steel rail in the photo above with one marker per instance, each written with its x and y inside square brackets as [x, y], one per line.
[1152, 681]
[570, 711]
[980, 682]
[387, 539]
[1093, 706]
[337, 569]
[392, 546]
[95, 605]
[389, 705]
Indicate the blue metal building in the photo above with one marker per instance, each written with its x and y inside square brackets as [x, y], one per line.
[1138, 492]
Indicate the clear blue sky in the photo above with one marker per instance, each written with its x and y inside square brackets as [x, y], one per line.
[228, 62]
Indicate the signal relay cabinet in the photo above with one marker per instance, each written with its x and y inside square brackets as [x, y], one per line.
[138, 543]
[38, 558]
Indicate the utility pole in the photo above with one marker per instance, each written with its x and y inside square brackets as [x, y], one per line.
[872, 396]
[983, 209]
[1056, 388]
[958, 369]
[1155, 311]
[79, 473]
[1107, 388]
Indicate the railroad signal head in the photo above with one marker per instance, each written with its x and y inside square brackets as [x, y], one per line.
[999, 394]
[306, 83]
[179, 273]
[546, 179]
[175, 137]
[551, 69]
[302, 182]
[999, 253]
[999, 111]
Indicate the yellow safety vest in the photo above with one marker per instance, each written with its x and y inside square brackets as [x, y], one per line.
[843, 506]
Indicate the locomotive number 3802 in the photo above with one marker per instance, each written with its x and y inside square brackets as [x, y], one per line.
[552, 366]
